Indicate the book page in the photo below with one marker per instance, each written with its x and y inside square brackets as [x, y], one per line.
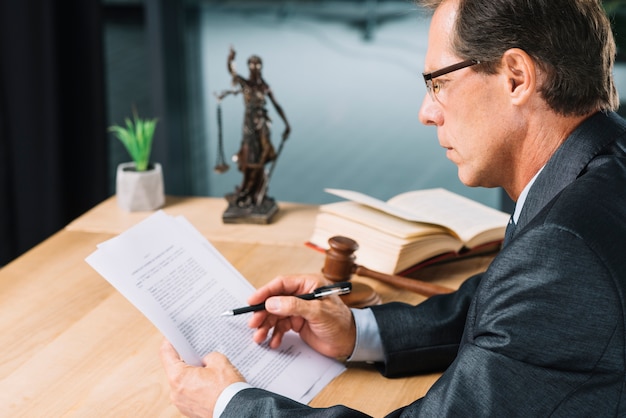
[376, 204]
[381, 221]
[179, 281]
[464, 217]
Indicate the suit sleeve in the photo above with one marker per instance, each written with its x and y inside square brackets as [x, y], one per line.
[424, 338]
[254, 403]
[446, 311]
[544, 336]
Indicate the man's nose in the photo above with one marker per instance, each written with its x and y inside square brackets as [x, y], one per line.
[430, 112]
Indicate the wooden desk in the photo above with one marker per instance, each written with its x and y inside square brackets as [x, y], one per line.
[72, 346]
[292, 225]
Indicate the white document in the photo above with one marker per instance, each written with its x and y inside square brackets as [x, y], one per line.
[181, 283]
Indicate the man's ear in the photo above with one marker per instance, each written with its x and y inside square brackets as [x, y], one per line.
[520, 72]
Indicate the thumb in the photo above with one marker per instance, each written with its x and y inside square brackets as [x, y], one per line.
[213, 356]
[287, 306]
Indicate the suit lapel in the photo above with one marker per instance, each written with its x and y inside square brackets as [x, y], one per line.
[569, 161]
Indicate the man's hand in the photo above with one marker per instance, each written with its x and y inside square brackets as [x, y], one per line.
[194, 390]
[325, 324]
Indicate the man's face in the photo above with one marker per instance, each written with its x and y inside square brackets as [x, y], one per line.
[471, 112]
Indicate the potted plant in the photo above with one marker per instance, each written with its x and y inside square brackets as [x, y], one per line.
[138, 184]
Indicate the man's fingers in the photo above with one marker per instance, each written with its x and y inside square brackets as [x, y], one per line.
[168, 351]
[170, 358]
[290, 306]
[286, 285]
[214, 356]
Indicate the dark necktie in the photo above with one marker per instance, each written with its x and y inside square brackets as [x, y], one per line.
[508, 233]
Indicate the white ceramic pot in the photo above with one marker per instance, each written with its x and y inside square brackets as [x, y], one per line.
[139, 190]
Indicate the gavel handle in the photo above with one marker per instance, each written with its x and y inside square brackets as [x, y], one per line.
[414, 285]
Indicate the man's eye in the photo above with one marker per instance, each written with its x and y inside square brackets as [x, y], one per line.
[437, 86]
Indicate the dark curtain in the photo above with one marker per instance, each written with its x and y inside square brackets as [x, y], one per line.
[53, 152]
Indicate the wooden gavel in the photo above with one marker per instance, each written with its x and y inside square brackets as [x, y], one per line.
[340, 265]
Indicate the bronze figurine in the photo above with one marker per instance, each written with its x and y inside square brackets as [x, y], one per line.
[250, 202]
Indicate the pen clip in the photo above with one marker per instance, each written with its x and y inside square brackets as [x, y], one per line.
[340, 288]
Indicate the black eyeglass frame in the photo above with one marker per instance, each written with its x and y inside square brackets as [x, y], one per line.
[428, 77]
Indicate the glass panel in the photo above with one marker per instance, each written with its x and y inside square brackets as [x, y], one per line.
[346, 73]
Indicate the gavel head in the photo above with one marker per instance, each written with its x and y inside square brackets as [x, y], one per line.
[339, 264]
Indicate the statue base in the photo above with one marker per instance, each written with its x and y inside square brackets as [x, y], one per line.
[238, 213]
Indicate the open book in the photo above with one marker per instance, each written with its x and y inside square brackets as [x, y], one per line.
[410, 229]
[181, 283]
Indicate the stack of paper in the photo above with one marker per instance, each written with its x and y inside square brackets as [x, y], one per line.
[181, 283]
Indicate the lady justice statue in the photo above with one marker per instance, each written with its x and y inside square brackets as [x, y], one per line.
[250, 203]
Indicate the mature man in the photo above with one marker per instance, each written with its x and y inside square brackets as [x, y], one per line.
[521, 93]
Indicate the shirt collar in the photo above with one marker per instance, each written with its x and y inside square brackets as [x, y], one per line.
[522, 197]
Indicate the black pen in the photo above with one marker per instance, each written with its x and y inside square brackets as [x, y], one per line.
[340, 288]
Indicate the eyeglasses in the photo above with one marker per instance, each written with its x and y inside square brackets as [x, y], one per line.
[433, 88]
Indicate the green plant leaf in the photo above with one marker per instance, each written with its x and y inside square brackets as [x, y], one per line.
[137, 138]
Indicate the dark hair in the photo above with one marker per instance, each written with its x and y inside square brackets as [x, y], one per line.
[570, 40]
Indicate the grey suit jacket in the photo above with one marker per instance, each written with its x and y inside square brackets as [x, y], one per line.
[542, 331]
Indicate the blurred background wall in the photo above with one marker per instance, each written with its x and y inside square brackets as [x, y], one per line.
[346, 72]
